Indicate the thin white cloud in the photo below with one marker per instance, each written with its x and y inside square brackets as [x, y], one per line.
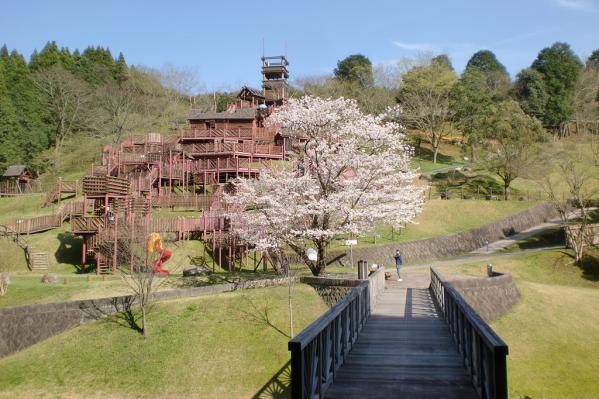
[576, 4]
[416, 46]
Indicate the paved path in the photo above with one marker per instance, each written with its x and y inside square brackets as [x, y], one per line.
[404, 350]
[524, 234]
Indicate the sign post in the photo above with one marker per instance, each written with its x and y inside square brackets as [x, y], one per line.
[350, 244]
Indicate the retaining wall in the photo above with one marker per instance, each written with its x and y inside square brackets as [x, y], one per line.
[489, 296]
[23, 326]
[454, 244]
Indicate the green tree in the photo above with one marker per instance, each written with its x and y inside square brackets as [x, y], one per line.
[513, 135]
[486, 61]
[96, 66]
[560, 69]
[471, 102]
[33, 137]
[49, 56]
[9, 125]
[529, 90]
[425, 101]
[355, 68]
[443, 60]
[594, 59]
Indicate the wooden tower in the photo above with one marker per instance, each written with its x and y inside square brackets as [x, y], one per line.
[274, 79]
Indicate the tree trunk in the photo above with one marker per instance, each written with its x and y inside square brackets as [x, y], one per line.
[144, 328]
[435, 151]
[290, 304]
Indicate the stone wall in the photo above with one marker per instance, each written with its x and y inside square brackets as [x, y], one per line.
[23, 326]
[333, 289]
[454, 244]
[489, 296]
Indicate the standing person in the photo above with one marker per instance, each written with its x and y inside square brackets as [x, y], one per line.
[398, 263]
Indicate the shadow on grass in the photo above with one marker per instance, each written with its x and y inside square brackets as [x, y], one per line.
[259, 315]
[589, 265]
[119, 311]
[548, 238]
[279, 386]
[426, 154]
[69, 252]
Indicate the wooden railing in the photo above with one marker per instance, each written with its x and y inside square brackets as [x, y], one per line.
[483, 352]
[185, 201]
[86, 224]
[242, 133]
[320, 349]
[240, 148]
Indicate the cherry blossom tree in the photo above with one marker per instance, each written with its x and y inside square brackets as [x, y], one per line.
[353, 172]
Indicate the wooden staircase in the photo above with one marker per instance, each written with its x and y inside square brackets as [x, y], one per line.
[59, 188]
[37, 261]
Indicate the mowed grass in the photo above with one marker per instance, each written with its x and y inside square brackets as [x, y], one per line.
[552, 332]
[443, 217]
[219, 346]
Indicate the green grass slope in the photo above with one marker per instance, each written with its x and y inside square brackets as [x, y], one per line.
[552, 332]
[221, 346]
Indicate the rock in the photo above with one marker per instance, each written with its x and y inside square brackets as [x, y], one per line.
[49, 278]
[195, 271]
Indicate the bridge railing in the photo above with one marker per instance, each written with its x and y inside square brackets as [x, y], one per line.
[483, 352]
[321, 348]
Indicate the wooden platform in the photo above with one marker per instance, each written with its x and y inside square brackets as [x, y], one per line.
[403, 351]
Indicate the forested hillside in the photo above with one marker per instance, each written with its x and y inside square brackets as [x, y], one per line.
[62, 97]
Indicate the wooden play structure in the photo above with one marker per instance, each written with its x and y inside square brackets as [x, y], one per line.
[189, 170]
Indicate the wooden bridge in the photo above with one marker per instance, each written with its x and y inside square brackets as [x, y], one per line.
[413, 341]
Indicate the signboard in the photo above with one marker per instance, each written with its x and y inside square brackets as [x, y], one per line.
[312, 254]
[349, 243]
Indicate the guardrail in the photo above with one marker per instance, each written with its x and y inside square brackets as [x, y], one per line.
[321, 348]
[483, 352]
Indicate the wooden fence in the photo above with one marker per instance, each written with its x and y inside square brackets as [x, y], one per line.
[11, 187]
[483, 352]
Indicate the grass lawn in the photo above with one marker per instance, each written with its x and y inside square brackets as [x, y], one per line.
[443, 217]
[221, 346]
[552, 332]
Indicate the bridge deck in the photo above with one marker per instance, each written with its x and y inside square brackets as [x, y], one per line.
[403, 351]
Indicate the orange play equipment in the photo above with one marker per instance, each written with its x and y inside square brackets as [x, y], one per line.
[155, 245]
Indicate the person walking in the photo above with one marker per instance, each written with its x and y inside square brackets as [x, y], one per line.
[398, 263]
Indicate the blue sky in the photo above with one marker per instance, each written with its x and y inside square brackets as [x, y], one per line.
[222, 39]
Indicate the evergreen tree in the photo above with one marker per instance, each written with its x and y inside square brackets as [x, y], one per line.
[9, 125]
[121, 72]
[529, 90]
[357, 69]
[497, 80]
[33, 132]
[96, 66]
[560, 69]
[49, 56]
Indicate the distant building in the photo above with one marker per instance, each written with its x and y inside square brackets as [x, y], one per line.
[19, 173]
